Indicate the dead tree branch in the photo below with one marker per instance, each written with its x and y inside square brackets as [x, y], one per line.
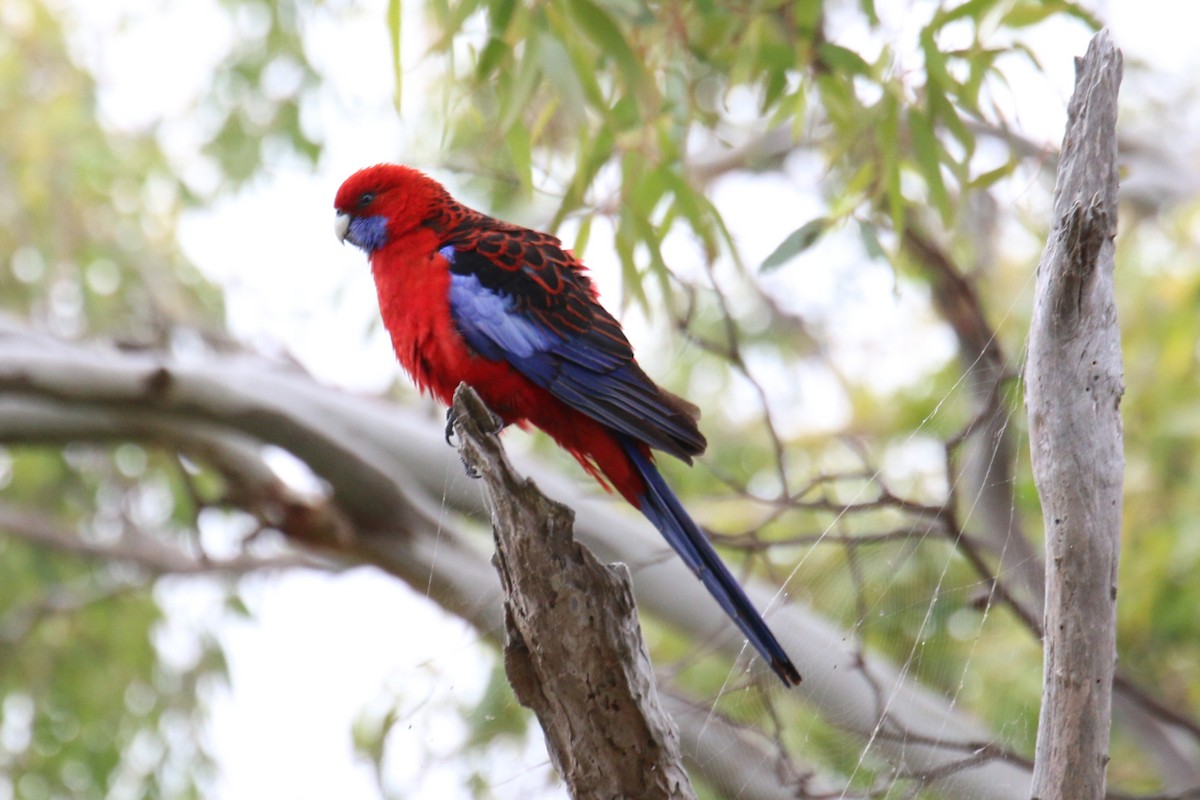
[1073, 394]
[573, 647]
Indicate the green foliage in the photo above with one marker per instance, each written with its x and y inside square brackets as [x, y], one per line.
[624, 85]
[87, 248]
[81, 677]
[394, 31]
[257, 90]
[76, 219]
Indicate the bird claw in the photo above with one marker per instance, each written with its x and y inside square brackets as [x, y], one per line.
[472, 472]
[451, 418]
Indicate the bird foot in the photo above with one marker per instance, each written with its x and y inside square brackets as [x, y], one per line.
[470, 469]
[451, 418]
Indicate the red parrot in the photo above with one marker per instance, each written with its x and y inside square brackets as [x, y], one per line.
[505, 309]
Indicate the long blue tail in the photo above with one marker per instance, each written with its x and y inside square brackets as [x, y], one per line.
[662, 507]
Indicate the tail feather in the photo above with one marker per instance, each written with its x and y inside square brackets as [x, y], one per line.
[662, 507]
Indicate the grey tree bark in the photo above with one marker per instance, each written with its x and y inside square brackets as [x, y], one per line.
[573, 647]
[1073, 394]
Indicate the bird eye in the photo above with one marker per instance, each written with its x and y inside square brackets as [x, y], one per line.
[365, 199]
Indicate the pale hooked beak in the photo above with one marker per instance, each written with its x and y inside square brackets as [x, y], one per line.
[341, 226]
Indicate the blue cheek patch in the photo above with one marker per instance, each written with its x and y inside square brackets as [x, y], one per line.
[369, 233]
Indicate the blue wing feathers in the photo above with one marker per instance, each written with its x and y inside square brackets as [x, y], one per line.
[490, 325]
[553, 332]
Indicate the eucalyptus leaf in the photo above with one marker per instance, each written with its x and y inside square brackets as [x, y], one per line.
[796, 243]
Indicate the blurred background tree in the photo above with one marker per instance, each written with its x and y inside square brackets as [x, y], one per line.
[820, 221]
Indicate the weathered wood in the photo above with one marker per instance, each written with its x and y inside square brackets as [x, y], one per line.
[574, 651]
[1074, 383]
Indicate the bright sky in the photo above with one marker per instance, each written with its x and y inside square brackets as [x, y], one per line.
[319, 650]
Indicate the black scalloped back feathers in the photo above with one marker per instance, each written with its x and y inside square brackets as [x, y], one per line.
[568, 343]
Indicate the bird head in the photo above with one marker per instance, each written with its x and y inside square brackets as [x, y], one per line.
[382, 203]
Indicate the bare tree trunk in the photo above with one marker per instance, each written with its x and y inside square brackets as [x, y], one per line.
[573, 648]
[1073, 393]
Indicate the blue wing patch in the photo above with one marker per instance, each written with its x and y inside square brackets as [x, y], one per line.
[581, 367]
[490, 324]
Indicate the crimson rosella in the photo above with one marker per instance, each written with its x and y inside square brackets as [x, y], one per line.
[505, 309]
